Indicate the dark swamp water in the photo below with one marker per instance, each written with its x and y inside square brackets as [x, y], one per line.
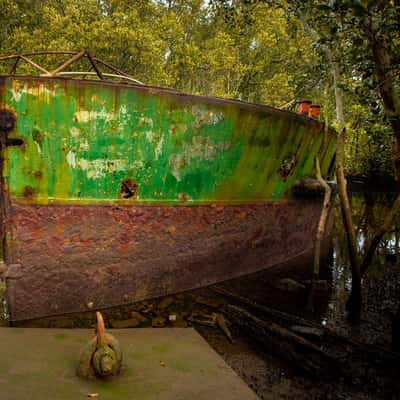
[268, 374]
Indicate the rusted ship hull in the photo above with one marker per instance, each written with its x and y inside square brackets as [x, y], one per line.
[122, 193]
[124, 254]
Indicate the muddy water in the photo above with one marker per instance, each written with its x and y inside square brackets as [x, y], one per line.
[381, 284]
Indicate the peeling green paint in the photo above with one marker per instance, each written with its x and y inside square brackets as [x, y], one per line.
[82, 140]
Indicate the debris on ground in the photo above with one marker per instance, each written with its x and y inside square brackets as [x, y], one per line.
[289, 285]
[203, 319]
[127, 323]
[223, 325]
[165, 303]
[209, 302]
[158, 322]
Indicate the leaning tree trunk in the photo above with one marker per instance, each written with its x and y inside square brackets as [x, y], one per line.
[320, 234]
[388, 93]
[354, 302]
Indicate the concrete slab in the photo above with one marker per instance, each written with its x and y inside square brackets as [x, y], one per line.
[168, 363]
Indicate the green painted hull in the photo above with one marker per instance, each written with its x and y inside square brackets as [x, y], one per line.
[82, 140]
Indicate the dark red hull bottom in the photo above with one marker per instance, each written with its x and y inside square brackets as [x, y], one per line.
[75, 258]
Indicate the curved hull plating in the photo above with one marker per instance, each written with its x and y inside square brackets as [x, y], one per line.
[121, 192]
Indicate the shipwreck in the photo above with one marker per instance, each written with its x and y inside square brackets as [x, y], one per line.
[113, 191]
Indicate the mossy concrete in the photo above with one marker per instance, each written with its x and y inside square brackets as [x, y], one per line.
[173, 363]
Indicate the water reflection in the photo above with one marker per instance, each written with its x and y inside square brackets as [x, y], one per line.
[369, 210]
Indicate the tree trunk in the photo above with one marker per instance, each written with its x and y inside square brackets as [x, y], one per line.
[391, 104]
[320, 234]
[389, 95]
[354, 302]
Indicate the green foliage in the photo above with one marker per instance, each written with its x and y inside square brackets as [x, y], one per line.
[352, 30]
[254, 50]
[240, 50]
[368, 149]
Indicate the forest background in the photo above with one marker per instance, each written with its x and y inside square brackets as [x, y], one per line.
[253, 50]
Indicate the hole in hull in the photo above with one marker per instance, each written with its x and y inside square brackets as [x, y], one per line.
[129, 189]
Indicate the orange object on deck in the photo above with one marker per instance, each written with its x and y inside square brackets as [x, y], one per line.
[314, 110]
[304, 106]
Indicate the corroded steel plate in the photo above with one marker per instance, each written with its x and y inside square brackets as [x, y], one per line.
[79, 258]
